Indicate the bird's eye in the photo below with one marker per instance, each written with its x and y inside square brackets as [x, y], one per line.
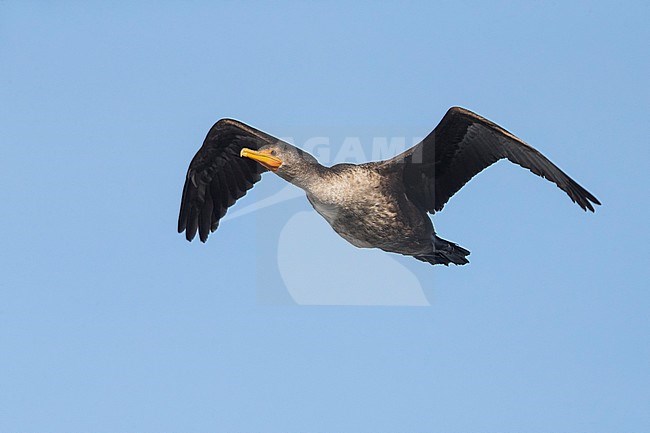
[273, 152]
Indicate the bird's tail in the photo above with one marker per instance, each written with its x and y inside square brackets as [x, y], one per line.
[445, 252]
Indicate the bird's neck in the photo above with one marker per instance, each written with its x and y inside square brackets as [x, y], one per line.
[310, 177]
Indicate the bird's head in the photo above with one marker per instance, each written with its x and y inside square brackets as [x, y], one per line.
[283, 159]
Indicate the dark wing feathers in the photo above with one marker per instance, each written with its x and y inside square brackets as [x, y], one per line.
[218, 176]
[462, 145]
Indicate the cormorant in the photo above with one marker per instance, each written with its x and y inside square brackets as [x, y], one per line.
[381, 204]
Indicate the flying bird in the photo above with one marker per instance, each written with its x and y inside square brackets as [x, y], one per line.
[383, 204]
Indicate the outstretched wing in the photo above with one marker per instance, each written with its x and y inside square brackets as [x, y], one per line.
[218, 176]
[461, 146]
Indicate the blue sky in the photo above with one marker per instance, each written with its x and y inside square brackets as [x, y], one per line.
[111, 322]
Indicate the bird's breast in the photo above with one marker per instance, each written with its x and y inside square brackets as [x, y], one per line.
[370, 216]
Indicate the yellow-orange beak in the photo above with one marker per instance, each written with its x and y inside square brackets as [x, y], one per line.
[264, 157]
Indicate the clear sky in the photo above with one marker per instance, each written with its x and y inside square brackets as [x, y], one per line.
[111, 322]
